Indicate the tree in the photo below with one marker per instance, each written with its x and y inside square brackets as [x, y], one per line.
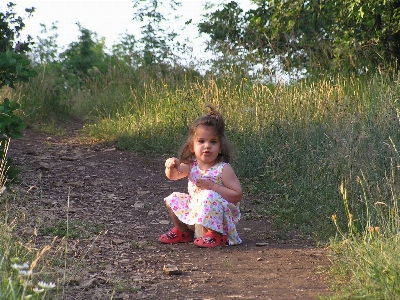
[226, 28]
[46, 49]
[156, 38]
[82, 56]
[126, 50]
[10, 28]
[342, 35]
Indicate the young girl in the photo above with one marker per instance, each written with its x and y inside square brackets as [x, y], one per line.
[214, 190]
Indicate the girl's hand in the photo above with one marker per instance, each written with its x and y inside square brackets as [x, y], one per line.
[204, 184]
[175, 170]
[172, 163]
[231, 189]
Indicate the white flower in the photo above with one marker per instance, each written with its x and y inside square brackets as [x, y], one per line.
[25, 272]
[46, 285]
[37, 290]
[20, 267]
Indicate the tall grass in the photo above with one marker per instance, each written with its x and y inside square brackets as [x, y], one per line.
[21, 269]
[366, 259]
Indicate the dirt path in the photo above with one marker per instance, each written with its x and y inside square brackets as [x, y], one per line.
[116, 214]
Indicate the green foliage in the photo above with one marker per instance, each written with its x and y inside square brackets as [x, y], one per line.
[366, 270]
[126, 50]
[14, 68]
[10, 127]
[341, 36]
[365, 248]
[14, 65]
[83, 56]
[225, 25]
[10, 124]
[10, 28]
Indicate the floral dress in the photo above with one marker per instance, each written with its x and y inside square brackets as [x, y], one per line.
[206, 207]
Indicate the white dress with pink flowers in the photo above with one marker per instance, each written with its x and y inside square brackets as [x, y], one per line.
[206, 207]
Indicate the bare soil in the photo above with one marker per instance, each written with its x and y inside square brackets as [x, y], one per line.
[114, 204]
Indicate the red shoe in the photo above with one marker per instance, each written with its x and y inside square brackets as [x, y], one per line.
[176, 236]
[211, 240]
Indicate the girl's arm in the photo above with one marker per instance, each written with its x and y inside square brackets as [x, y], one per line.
[231, 190]
[175, 170]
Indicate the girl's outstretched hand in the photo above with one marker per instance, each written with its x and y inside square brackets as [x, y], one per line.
[173, 162]
[175, 170]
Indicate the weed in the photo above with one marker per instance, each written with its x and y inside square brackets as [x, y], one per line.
[73, 229]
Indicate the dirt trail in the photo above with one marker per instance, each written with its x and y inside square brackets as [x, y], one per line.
[116, 214]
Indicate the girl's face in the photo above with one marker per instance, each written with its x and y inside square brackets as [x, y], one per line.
[206, 146]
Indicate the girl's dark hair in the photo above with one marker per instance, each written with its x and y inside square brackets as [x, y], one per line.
[212, 119]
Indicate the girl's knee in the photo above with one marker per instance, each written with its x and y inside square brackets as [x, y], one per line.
[168, 206]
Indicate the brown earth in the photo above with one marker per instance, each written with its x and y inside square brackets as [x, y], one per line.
[115, 209]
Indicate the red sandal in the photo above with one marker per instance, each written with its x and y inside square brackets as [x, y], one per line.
[176, 236]
[211, 240]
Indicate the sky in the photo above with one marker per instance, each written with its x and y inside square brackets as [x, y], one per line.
[108, 19]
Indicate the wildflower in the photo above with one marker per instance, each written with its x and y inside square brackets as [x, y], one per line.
[37, 290]
[165, 85]
[46, 285]
[20, 267]
[184, 109]
[25, 272]
[373, 229]
[334, 218]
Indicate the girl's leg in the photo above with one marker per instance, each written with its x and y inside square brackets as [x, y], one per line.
[178, 223]
[181, 233]
[219, 234]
